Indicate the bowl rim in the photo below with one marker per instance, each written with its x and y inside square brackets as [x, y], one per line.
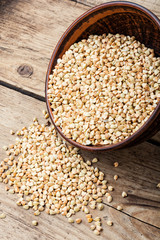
[154, 114]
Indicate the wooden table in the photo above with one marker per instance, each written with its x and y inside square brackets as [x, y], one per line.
[29, 31]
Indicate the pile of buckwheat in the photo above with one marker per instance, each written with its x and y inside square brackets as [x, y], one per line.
[49, 175]
[104, 89]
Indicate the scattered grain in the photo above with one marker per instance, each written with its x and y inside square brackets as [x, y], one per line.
[78, 220]
[2, 215]
[100, 206]
[97, 219]
[96, 232]
[89, 216]
[36, 213]
[109, 223]
[11, 191]
[124, 194]
[109, 199]
[99, 228]
[94, 160]
[34, 223]
[90, 220]
[120, 208]
[158, 185]
[110, 188]
[93, 227]
[12, 132]
[70, 220]
[5, 148]
[116, 164]
[115, 177]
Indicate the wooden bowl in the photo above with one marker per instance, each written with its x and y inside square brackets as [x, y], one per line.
[113, 17]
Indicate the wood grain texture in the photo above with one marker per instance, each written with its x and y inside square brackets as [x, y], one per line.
[18, 225]
[152, 5]
[29, 32]
[138, 176]
[157, 137]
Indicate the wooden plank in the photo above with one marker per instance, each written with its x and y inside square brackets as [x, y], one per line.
[18, 225]
[157, 137]
[152, 5]
[138, 171]
[29, 32]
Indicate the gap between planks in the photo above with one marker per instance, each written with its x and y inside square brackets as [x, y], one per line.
[133, 217]
[48, 228]
[23, 91]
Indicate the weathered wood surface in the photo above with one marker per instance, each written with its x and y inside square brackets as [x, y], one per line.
[17, 225]
[29, 31]
[138, 174]
[139, 171]
[152, 5]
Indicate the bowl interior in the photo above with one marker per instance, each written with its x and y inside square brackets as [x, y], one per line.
[124, 18]
[115, 17]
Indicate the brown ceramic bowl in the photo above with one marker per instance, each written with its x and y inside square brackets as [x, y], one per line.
[113, 17]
